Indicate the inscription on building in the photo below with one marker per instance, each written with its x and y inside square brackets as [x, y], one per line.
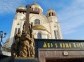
[62, 45]
[58, 44]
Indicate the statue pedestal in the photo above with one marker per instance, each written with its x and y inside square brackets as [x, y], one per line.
[4, 58]
[25, 60]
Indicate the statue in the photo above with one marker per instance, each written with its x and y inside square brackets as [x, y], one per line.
[14, 47]
[23, 45]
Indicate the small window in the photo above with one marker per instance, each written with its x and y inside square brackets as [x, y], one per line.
[15, 31]
[55, 33]
[49, 14]
[58, 35]
[53, 14]
[37, 21]
[18, 30]
[39, 36]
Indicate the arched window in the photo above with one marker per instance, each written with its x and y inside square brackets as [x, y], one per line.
[55, 33]
[53, 14]
[39, 36]
[15, 31]
[37, 21]
[49, 14]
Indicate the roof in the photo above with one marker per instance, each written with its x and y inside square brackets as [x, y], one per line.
[22, 7]
[35, 5]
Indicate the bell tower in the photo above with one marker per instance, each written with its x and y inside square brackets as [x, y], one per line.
[54, 25]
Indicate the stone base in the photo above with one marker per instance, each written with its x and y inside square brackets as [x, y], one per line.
[25, 60]
[10, 59]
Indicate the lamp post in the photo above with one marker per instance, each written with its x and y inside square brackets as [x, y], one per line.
[2, 35]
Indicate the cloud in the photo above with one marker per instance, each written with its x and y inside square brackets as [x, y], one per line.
[70, 13]
[7, 6]
[10, 5]
[72, 16]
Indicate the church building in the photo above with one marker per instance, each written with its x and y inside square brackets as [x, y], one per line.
[44, 26]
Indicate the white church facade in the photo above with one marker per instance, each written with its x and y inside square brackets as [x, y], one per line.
[44, 26]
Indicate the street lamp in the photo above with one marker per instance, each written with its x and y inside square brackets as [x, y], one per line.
[2, 35]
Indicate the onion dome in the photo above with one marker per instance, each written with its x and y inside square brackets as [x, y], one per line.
[21, 9]
[35, 8]
[51, 13]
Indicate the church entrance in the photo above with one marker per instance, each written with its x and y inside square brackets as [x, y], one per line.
[66, 60]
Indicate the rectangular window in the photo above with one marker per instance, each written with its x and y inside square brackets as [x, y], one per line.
[15, 31]
[18, 30]
[55, 34]
[58, 35]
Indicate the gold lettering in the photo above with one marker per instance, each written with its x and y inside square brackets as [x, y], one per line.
[69, 45]
[74, 45]
[45, 45]
[81, 44]
[51, 44]
[56, 45]
[48, 45]
[78, 45]
[61, 45]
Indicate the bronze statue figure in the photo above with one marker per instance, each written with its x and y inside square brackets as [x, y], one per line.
[23, 45]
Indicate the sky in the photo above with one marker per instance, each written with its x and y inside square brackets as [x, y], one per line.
[70, 15]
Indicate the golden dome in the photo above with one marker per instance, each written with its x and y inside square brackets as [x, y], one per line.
[22, 7]
[35, 5]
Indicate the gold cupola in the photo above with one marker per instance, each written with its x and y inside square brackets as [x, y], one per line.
[35, 8]
[21, 9]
